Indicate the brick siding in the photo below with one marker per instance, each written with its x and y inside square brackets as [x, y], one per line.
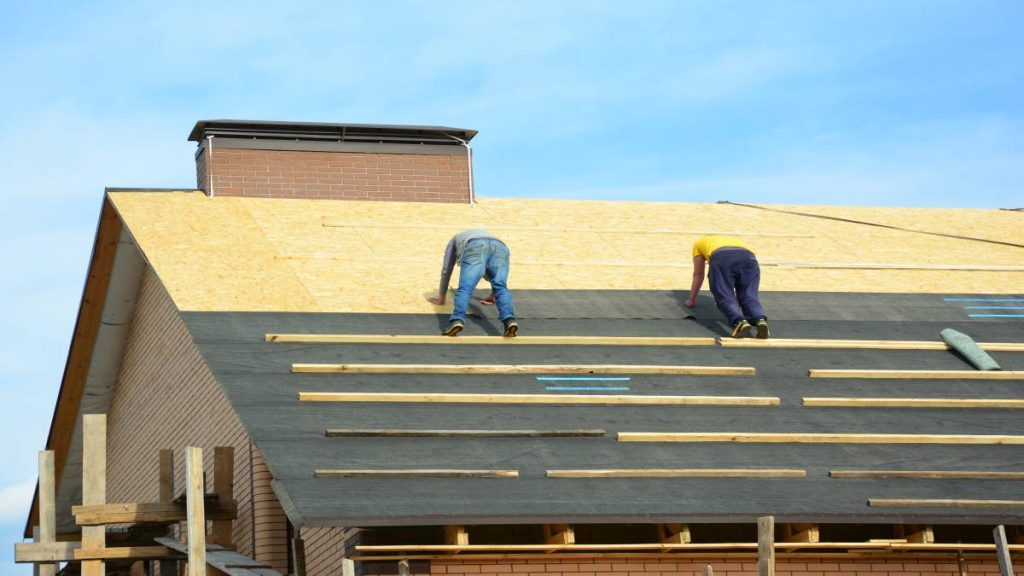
[335, 175]
[166, 397]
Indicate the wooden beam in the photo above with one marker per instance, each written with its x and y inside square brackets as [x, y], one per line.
[395, 433]
[456, 536]
[814, 438]
[47, 500]
[523, 369]
[680, 473]
[607, 399]
[563, 534]
[194, 495]
[437, 473]
[801, 533]
[674, 533]
[861, 344]
[224, 487]
[942, 503]
[491, 340]
[1002, 551]
[917, 533]
[126, 553]
[920, 374]
[100, 514]
[692, 547]
[25, 552]
[933, 474]
[766, 546]
[94, 485]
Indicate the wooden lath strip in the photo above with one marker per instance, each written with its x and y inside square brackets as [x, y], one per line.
[416, 473]
[933, 474]
[491, 340]
[396, 433]
[861, 344]
[1010, 403]
[942, 503]
[818, 438]
[680, 473]
[444, 398]
[920, 374]
[521, 369]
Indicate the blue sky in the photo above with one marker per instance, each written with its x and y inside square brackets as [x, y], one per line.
[878, 103]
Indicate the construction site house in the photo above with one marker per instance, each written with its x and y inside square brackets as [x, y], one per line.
[256, 382]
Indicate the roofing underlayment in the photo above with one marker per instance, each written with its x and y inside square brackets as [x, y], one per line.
[242, 268]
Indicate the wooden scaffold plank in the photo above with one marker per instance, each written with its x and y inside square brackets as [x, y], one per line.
[194, 498]
[94, 485]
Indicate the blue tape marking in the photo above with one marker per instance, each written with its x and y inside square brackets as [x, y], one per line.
[561, 378]
[587, 388]
[984, 299]
[996, 315]
[993, 307]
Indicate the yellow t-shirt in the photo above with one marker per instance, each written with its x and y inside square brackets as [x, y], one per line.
[706, 245]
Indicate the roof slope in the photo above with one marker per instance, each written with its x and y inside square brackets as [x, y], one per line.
[250, 254]
[258, 379]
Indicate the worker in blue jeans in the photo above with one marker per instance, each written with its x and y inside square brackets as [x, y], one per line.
[735, 276]
[479, 254]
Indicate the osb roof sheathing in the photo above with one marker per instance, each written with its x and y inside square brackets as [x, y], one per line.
[249, 254]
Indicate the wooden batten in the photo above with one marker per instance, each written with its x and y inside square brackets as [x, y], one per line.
[559, 534]
[522, 369]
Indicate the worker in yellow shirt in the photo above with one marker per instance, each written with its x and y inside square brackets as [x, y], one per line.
[734, 276]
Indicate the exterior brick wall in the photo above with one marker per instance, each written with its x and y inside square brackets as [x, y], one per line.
[166, 397]
[324, 550]
[792, 566]
[335, 175]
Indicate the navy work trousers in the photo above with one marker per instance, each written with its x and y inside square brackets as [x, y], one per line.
[734, 277]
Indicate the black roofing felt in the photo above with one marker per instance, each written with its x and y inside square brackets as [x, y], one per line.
[257, 379]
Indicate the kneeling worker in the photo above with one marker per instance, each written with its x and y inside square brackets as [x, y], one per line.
[479, 255]
[734, 276]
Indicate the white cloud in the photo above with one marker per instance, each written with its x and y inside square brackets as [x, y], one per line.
[15, 501]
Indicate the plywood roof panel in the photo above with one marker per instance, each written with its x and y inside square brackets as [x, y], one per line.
[237, 254]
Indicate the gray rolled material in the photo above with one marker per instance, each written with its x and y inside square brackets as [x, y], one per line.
[969, 349]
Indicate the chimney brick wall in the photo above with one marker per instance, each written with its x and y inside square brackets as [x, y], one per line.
[334, 175]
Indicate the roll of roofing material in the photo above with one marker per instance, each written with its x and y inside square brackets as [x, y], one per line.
[969, 349]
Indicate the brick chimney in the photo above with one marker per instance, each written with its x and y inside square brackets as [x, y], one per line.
[333, 161]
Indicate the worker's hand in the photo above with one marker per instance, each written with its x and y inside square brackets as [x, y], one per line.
[438, 300]
[488, 300]
[691, 302]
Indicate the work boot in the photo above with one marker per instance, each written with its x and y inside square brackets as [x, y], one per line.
[740, 329]
[453, 328]
[511, 327]
[762, 329]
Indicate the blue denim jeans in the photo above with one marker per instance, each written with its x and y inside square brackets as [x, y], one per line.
[484, 256]
[734, 277]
